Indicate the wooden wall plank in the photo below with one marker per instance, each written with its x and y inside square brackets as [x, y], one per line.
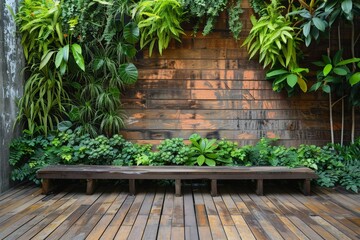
[207, 84]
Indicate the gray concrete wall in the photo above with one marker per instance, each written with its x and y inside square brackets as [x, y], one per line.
[11, 86]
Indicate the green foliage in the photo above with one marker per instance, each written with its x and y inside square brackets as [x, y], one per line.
[204, 10]
[159, 21]
[334, 164]
[314, 20]
[226, 152]
[260, 154]
[335, 73]
[45, 97]
[235, 25]
[342, 9]
[259, 6]
[63, 39]
[287, 79]
[171, 152]
[203, 151]
[28, 154]
[273, 37]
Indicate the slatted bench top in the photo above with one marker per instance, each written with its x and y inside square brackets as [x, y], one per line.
[173, 172]
[177, 173]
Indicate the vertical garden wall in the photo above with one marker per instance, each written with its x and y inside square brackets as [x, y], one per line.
[11, 80]
[207, 84]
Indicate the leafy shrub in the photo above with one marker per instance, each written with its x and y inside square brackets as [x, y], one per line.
[171, 151]
[159, 21]
[333, 163]
[28, 154]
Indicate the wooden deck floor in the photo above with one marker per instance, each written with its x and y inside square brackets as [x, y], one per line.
[155, 213]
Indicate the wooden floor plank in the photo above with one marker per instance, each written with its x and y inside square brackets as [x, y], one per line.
[269, 229]
[223, 212]
[304, 215]
[101, 226]
[45, 217]
[178, 213]
[118, 219]
[272, 217]
[216, 228]
[191, 231]
[325, 210]
[164, 232]
[242, 227]
[156, 213]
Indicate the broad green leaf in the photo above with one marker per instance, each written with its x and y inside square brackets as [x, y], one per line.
[354, 79]
[340, 71]
[200, 160]
[45, 59]
[131, 32]
[302, 84]
[59, 57]
[66, 53]
[315, 87]
[319, 64]
[299, 70]
[337, 57]
[64, 125]
[306, 29]
[347, 61]
[346, 6]
[319, 23]
[327, 69]
[326, 88]
[291, 80]
[210, 162]
[98, 63]
[308, 40]
[276, 73]
[76, 51]
[128, 73]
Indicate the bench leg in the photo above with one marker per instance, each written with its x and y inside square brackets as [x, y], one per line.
[307, 187]
[213, 191]
[90, 186]
[260, 187]
[178, 187]
[45, 186]
[132, 186]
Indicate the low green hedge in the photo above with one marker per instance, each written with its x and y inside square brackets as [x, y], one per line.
[335, 164]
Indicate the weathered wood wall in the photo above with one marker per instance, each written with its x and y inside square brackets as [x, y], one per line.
[11, 80]
[207, 85]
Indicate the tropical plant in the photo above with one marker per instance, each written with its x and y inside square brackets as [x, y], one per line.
[46, 50]
[203, 151]
[204, 10]
[287, 79]
[313, 18]
[159, 21]
[171, 151]
[273, 38]
[235, 11]
[109, 50]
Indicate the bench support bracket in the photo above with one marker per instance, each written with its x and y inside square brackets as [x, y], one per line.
[213, 189]
[132, 186]
[260, 187]
[307, 187]
[90, 186]
[178, 187]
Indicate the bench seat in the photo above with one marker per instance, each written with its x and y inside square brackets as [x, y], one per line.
[177, 173]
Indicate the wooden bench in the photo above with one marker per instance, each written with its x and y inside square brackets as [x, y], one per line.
[178, 173]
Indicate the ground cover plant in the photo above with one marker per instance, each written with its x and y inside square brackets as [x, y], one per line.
[334, 164]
